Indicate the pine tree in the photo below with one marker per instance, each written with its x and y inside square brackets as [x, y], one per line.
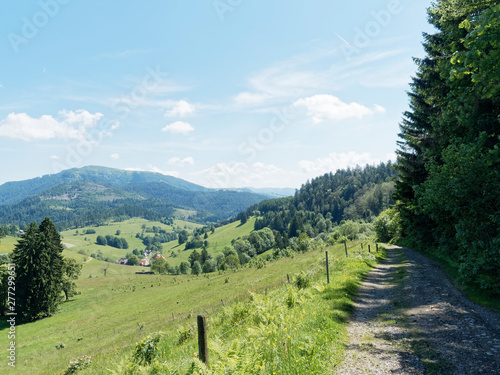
[39, 271]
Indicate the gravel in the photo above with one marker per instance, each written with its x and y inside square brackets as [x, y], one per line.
[410, 319]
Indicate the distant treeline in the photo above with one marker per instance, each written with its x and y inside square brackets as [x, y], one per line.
[352, 194]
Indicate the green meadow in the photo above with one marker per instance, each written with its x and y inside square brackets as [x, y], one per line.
[117, 308]
[79, 241]
[86, 243]
[7, 244]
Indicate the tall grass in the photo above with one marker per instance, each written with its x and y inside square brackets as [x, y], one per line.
[297, 328]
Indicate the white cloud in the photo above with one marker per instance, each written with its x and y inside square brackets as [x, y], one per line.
[280, 82]
[180, 108]
[178, 127]
[240, 174]
[249, 99]
[54, 157]
[329, 107]
[68, 125]
[334, 161]
[115, 156]
[181, 162]
[152, 168]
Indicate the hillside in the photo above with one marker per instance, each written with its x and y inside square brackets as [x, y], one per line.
[115, 311]
[16, 191]
[94, 195]
[352, 194]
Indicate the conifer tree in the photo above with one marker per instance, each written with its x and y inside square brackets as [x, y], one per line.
[39, 271]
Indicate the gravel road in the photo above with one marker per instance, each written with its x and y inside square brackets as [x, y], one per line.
[410, 319]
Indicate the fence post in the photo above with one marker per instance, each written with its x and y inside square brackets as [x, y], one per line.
[288, 278]
[376, 247]
[327, 268]
[345, 245]
[361, 245]
[369, 250]
[202, 339]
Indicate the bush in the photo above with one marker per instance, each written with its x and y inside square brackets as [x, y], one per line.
[302, 280]
[78, 364]
[146, 350]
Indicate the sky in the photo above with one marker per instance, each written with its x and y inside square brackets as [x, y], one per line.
[222, 93]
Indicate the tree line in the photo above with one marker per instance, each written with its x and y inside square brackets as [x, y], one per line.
[447, 192]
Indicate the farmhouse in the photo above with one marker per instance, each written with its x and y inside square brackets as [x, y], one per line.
[156, 256]
[121, 261]
[144, 262]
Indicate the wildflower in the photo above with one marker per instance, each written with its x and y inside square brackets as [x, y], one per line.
[289, 337]
[195, 354]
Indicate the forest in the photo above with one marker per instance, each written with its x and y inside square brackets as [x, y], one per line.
[447, 191]
[353, 194]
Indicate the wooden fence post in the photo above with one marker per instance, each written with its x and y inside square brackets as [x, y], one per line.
[288, 278]
[327, 268]
[345, 245]
[202, 339]
[369, 250]
[376, 247]
[361, 245]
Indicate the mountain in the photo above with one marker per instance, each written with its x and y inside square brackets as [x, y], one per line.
[270, 192]
[92, 195]
[13, 192]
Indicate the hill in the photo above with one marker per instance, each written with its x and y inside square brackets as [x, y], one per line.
[352, 194]
[94, 195]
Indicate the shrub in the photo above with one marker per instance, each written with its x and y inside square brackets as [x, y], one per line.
[185, 333]
[146, 350]
[302, 280]
[78, 364]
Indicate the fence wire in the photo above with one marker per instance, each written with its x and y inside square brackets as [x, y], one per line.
[321, 262]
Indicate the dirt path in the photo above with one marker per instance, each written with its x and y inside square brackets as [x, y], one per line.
[410, 319]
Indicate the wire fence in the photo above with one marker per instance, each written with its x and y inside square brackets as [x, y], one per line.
[311, 271]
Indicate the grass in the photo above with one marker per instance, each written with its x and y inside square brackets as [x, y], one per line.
[216, 242]
[114, 312]
[283, 331]
[7, 244]
[128, 229]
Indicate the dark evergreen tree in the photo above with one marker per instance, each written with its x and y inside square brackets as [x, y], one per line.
[39, 271]
[449, 159]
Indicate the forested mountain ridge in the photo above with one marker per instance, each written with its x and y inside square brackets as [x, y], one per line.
[93, 195]
[16, 191]
[357, 194]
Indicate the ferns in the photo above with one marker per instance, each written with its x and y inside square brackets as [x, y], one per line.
[298, 328]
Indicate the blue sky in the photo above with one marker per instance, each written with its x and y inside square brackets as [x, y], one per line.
[224, 93]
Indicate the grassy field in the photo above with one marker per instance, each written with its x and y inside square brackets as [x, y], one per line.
[216, 242]
[128, 230]
[7, 244]
[115, 311]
